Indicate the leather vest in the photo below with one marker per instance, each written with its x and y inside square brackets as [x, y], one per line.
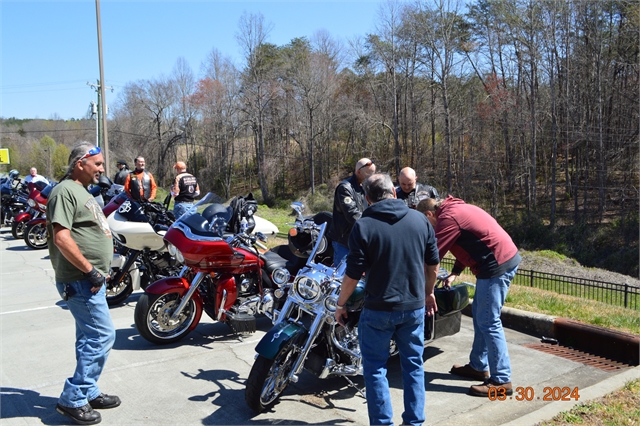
[134, 184]
[187, 185]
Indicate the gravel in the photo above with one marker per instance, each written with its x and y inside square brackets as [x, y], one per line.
[570, 267]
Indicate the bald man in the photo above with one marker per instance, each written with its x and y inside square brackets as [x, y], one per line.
[412, 192]
[348, 204]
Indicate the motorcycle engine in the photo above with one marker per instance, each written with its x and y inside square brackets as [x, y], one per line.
[245, 283]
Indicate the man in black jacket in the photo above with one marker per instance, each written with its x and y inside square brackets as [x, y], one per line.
[123, 172]
[411, 191]
[348, 205]
[397, 249]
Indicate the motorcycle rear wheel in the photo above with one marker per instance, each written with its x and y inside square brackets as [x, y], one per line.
[153, 317]
[118, 292]
[17, 229]
[269, 378]
[35, 236]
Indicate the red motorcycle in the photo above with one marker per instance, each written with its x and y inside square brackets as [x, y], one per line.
[35, 231]
[22, 219]
[224, 275]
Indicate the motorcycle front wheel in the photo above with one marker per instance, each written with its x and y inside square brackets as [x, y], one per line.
[153, 317]
[118, 292]
[35, 236]
[269, 378]
[17, 229]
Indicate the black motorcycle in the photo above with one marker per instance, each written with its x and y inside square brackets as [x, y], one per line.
[14, 199]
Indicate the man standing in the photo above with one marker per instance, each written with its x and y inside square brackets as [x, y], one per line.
[81, 249]
[348, 205]
[184, 190]
[477, 241]
[141, 181]
[34, 177]
[123, 171]
[411, 191]
[397, 249]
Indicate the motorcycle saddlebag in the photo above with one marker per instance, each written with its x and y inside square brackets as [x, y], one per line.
[451, 300]
[442, 326]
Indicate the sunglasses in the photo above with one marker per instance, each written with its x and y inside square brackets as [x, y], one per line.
[367, 164]
[93, 151]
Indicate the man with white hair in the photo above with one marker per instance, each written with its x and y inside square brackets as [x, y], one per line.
[348, 205]
[185, 189]
[34, 177]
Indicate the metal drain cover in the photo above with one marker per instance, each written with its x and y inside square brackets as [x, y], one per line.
[579, 356]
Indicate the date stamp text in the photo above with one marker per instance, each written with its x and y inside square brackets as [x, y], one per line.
[527, 393]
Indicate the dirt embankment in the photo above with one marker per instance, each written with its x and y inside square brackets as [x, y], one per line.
[571, 268]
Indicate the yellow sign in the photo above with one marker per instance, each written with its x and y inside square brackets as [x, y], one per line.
[4, 156]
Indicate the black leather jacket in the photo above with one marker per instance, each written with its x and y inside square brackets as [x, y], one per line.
[411, 199]
[348, 204]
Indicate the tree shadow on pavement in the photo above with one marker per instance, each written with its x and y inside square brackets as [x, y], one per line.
[231, 406]
[23, 403]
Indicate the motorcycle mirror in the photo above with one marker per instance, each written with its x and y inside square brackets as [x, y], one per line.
[167, 201]
[104, 182]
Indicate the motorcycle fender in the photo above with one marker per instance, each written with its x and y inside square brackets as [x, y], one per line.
[170, 285]
[37, 220]
[277, 337]
[118, 263]
[24, 216]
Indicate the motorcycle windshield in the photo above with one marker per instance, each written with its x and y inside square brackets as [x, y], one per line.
[207, 215]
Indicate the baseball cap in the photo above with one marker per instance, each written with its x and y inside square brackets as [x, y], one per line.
[121, 162]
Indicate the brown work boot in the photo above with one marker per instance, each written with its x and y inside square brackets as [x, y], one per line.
[501, 389]
[468, 371]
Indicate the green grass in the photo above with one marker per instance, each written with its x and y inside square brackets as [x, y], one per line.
[621, 407]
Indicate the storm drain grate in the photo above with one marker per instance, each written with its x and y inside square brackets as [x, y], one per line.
[579, 356]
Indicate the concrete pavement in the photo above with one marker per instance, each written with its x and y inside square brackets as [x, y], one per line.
[200, 380]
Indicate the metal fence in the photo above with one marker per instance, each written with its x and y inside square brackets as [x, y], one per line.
[617, 294]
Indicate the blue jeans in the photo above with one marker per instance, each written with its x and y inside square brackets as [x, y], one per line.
[95, 335]
[489, 350]
[181, 208]
[375, 331]
[339, 253]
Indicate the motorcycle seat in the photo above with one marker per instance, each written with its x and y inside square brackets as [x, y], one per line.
[273, 260]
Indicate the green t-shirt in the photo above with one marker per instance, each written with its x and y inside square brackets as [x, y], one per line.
[71, 206]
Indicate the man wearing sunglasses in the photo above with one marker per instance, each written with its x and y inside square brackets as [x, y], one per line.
[81, 249]
[348, 204]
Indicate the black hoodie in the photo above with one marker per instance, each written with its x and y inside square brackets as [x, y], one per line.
[392, 243]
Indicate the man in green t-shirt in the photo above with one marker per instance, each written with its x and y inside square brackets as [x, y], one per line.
[81, 249]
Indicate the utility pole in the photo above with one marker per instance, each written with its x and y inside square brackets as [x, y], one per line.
[100, 110]
[105, 139]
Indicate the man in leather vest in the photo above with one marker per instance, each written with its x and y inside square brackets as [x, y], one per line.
[141, 181]
[348, 204]
[184, 190]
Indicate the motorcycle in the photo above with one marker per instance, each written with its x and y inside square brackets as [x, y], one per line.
[225, 274]
[306, 335]
[32, 212]
[140, 257]
[35, 231]
[14, 199]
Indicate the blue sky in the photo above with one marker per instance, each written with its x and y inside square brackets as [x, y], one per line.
[50, 49]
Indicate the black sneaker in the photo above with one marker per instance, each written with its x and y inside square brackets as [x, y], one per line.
[104, 401]
[84, 415]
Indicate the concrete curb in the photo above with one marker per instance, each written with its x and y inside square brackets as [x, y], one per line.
[612, 344]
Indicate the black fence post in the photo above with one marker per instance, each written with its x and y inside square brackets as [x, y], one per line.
[626, 294]
[531, 275]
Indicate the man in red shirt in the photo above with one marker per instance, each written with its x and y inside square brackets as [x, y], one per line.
[142, 180]
[477, 241]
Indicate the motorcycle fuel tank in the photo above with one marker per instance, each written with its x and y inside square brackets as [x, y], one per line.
[135, 235]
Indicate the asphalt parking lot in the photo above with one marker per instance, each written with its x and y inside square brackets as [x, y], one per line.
[200, 380]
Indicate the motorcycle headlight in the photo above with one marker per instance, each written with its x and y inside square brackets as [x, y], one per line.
[171, 249]
[307, 288]
[179, 256]
[330, 303]
[31, 203]
[43, 207]
[280, 276]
